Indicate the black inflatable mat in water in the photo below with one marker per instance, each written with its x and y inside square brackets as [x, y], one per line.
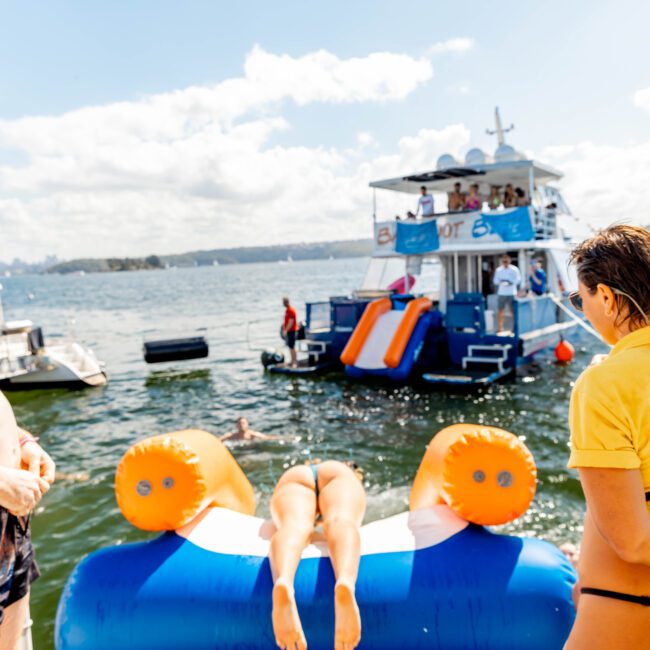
[176, 349]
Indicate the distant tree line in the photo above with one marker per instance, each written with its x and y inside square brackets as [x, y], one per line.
[250, 255]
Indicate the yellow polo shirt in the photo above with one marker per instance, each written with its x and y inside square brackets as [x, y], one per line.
[609, 415]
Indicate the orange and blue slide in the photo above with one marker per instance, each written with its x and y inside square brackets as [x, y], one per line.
[388, 339]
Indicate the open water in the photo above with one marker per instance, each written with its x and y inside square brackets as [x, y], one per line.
[384, 429]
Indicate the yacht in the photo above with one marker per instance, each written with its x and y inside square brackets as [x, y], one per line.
[427, 310]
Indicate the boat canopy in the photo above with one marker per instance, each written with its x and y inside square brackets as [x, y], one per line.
[517, 172]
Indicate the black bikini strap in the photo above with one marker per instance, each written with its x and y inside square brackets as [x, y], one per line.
[647, 496]
[617, 595]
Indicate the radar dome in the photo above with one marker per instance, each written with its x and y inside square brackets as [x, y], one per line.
[475, 157]
[446, 161]
[505, 153]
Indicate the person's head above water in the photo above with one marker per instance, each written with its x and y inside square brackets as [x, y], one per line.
[242, 425]
[614, 280]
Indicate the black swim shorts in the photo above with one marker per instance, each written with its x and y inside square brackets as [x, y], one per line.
[291, 340]
[18, 568]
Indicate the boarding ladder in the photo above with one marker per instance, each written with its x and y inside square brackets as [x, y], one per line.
[495, 354]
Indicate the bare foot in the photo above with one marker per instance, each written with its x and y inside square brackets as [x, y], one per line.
[347, 630]
[286, 622]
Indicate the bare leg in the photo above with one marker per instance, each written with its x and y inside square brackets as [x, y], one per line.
[293, 507]
[15, 617]
[294, 358]
[342, 503]
[500, 315]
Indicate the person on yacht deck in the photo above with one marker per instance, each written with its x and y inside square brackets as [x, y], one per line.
[456, 199]
[509, 197]
[506, 279]
[425, 203]
[494, 200]
[473, 200]
[521, 197]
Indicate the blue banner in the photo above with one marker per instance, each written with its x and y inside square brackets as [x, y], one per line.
[416, 238]
[510, 225]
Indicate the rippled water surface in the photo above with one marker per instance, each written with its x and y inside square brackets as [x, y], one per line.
[384, 429]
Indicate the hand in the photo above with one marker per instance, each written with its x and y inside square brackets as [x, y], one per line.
[36, 460]
[20, 490]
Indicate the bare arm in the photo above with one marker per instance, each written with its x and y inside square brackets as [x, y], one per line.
[616, 501]
[263, 436]
[228, 436]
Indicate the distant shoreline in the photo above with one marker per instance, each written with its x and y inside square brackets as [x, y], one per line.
[223, 256]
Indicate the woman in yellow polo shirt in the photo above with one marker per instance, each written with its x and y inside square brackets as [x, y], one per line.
[610, 443]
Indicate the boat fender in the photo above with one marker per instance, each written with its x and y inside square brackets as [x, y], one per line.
[163, 482]
[484, 474]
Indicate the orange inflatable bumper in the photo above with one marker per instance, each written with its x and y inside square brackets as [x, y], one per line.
[486, 475]
[164, 482]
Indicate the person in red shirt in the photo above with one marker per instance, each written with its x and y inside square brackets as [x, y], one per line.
[290, 329]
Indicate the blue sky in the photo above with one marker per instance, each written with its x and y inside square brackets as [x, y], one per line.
[565, 73]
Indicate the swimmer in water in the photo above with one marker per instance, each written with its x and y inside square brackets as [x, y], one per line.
[331, 491]
[244, 432]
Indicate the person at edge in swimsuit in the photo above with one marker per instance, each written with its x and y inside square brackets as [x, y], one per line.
[333, 491]
[20, 491]
[609, 418]
[244, 432]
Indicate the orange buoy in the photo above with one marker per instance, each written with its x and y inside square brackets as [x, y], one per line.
[564, 351]
[484, 474]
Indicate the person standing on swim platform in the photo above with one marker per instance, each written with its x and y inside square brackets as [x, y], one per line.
[425, 203]
[290, 328]
[609, 419]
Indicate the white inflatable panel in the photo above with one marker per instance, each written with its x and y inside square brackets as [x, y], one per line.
[233, 533]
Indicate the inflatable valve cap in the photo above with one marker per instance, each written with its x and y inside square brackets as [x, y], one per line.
[486, 475]
[165, 481]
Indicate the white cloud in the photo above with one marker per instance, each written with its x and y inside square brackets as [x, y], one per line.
[456, 45]
[642, 99]
[604, 184]
[194, 168]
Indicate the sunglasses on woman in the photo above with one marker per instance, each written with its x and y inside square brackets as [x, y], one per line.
[576, 301]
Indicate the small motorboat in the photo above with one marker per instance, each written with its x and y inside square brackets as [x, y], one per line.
[28, 362]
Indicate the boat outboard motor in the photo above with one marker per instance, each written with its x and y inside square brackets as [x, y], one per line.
[271, 358]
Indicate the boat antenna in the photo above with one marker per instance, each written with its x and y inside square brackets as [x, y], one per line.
[499, 131]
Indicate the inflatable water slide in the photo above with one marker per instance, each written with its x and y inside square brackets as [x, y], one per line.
[433, 577]
[388, 338]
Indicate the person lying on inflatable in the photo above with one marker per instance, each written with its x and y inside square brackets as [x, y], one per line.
[330, 493]
[431, 578]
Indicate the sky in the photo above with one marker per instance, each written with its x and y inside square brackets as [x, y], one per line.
[150, 126]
